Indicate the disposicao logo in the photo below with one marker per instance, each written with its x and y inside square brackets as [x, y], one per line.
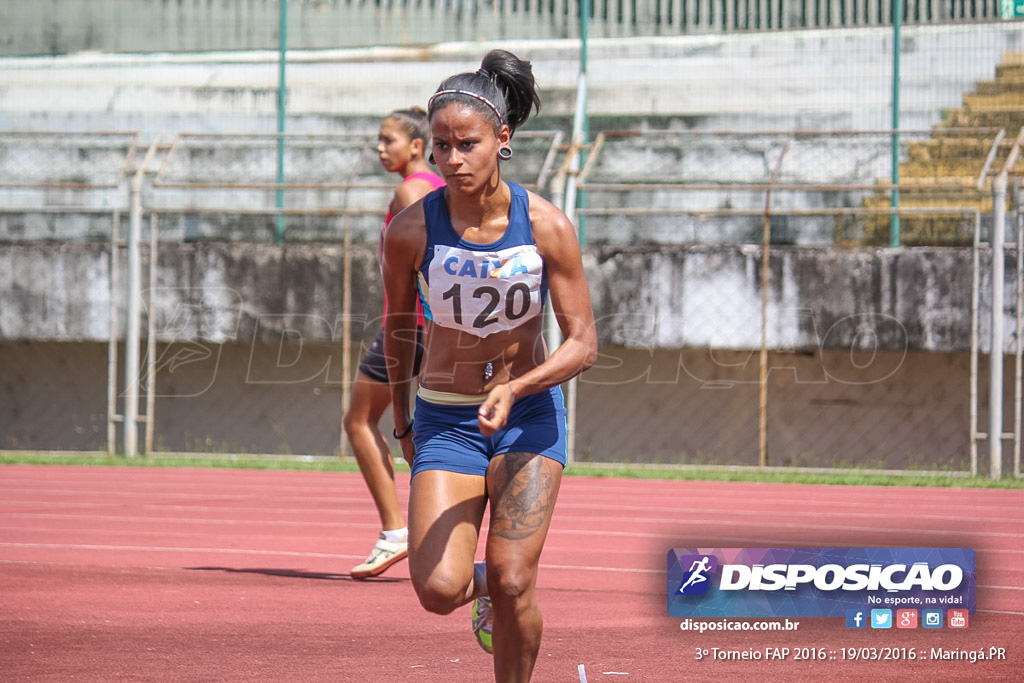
[818, 582]
[696, 580]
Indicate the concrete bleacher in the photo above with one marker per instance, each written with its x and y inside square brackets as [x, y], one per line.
[952, 169]
[807, 80]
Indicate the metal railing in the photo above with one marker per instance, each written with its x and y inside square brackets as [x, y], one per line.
[696, 177]
[995, 434]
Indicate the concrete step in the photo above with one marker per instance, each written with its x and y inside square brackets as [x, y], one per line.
[943, 168]
[1011, 99]
[83, 160]
[941, 185]
[1010, 70]
[918, 201]
[953, 150]
[1011, 118]
[1014, 85]
[915, 231]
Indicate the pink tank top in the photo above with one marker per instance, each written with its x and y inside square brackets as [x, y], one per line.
[435, 181]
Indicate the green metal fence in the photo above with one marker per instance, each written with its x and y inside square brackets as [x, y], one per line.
[28, 28]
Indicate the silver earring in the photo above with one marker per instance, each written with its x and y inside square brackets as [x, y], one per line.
[430, 159]
[504, 153]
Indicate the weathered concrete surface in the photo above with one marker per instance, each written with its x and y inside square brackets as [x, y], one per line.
[866, 299]
[212, 292]
[838, 79]
[867, 364]
[860, 299]
[696, 406]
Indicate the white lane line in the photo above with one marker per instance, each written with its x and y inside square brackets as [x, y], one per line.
[161, 549]
[714, 523]
[194, 520]
[290, 553]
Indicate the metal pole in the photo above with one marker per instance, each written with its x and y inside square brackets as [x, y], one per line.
[975, 305]
[762, 380]
[553, 333]
[281, 90]
[762, 400]
[582, 125]
[995, 387]
[133, 322]
[894, 217]
[115, 282]
[1018, 385]
[151, 337]
[346, 334]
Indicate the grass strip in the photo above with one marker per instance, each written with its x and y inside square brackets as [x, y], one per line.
[775, 475]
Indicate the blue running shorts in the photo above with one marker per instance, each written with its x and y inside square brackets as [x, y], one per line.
[447, 437]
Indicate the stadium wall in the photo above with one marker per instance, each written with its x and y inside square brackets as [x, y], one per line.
[700, 296]
[867, 363]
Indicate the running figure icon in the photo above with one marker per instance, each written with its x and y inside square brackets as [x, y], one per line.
[698, 571]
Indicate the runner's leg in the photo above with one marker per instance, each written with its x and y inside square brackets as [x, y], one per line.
[523, 488]
[445, 513]
[370, 399]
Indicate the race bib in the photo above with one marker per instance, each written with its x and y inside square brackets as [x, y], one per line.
[485, 292]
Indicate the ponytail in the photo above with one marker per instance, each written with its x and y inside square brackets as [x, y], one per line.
[413, 121]
[503, 88]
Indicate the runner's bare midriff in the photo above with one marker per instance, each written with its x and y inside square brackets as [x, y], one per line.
[456, 361]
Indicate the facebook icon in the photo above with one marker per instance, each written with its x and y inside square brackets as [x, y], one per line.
[855, 618]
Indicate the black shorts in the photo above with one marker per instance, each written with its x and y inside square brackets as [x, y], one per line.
[375, 365]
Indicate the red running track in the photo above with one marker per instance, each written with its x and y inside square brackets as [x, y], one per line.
[147, 574]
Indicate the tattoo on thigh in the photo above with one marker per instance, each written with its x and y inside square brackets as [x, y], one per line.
[524, 497]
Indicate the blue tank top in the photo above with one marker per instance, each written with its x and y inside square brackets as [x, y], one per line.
[481, 288]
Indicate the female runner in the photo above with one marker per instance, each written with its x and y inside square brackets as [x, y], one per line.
[483, 255]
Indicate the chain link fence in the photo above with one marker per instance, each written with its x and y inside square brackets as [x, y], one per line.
[794, 297]
[249, 347]
[785, 351]
[749, 312]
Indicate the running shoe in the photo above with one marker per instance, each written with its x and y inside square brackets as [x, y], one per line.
[483, 616]
[384, 554]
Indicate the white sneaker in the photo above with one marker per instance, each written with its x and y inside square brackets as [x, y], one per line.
[483, 617]
[384, 554]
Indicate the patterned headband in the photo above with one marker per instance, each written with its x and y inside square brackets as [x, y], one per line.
[467, 93]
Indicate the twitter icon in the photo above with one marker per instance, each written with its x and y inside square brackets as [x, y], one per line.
[881, 618]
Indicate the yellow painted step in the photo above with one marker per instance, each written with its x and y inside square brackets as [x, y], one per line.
[1011, 100]
[1010, 119]
[1002, 85]
[943, 168]
[909, 201]
[956, 149]
[953, 229]
[940, 186]
[1009, 70]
